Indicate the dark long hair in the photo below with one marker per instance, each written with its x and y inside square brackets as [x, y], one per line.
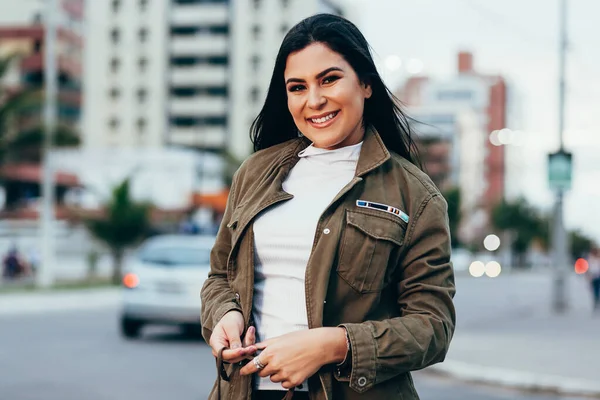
[274, 124]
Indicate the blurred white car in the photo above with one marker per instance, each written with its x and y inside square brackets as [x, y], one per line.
[162, 283]
[461, 259]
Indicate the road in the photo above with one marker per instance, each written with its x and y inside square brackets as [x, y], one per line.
[79, 356]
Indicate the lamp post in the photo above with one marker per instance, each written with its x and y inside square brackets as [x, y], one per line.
[560, 178]
[44, 276]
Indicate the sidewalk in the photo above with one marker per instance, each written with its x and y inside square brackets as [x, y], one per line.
[58, 300]
[530, 348]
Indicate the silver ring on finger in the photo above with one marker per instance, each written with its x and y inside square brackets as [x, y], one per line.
[257, 363]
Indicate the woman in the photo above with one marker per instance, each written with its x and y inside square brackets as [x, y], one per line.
[334, 251]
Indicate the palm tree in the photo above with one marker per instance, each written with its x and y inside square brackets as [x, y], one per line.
[27, 144]
[10, 103]
[124, 223]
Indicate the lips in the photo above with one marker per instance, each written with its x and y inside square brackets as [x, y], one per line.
[323, 119]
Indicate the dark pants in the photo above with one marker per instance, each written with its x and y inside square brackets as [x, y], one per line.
[596, 292]
[277, 395]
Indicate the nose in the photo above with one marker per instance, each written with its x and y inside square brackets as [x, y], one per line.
[316, 100]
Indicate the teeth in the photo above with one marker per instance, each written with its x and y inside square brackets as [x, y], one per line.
[324, 119]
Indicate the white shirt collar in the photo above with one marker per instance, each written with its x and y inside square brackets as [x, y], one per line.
[348, 153]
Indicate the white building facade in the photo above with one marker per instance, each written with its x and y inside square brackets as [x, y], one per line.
[190, 73]
[257, 30]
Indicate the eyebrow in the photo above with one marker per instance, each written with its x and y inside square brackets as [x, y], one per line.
[319, 75]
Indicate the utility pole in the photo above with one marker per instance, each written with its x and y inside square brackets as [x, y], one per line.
[559, 237]
[45, 273]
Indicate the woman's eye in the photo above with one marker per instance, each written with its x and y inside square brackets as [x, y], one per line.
[296, 88]
[330, 79]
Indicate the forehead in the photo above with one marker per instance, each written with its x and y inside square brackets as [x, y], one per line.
[311, 60]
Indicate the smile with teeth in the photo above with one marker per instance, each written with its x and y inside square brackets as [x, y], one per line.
[323, 119]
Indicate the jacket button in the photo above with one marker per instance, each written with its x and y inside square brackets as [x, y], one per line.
[362, 381]
[326, 231]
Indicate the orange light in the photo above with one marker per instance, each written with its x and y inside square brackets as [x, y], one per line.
[131, 280]
[581, 266]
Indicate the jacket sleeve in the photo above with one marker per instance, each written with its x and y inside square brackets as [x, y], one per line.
[421, 336]
[217, 296]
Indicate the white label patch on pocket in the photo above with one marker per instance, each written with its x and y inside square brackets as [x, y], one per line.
[383, 207]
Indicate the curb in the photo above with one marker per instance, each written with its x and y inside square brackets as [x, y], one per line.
[57, 301]
[521, 380]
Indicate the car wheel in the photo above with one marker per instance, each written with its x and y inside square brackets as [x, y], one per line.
[191, 330]
[131, 328]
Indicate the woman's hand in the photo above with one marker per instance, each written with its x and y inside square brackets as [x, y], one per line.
[227, 333]
[292, 358]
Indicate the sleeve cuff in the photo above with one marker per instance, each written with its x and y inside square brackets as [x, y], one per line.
[362, 372]
[224, 309]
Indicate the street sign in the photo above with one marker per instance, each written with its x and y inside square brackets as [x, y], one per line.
[560, 170]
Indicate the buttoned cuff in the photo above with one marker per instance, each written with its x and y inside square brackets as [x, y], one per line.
[364, 358]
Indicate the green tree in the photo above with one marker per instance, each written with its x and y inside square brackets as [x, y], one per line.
[28, 145]
[452, 197]
[124, 223]
[580, 244]
[10, 103]
[523, 222]
[25, 145]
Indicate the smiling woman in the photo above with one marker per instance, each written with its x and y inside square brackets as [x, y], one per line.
[331, 269]
[323, 91]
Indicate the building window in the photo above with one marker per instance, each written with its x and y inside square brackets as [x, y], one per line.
[254, 94]
[143, 5]
[143, 64]
[141, 126]
[114, 93]
[255, 62]
[113, 123]
[116, 5]
[256, 32]
[143, 34]
[115, 35]
[142, 94]
[115, 63]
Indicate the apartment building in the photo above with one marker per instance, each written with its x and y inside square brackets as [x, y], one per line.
[189, 73]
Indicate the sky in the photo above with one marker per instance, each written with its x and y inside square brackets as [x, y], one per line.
[518, 39]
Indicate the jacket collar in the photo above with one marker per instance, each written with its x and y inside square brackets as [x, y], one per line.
[373, 152]
[372, 155]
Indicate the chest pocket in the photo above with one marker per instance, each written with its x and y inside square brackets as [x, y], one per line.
[368, 241]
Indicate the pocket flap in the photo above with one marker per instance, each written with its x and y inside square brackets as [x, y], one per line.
[378, 226]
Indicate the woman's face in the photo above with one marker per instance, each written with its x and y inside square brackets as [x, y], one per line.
[325, 97]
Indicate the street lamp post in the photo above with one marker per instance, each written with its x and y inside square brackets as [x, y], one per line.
[559, 237]
[45, 273]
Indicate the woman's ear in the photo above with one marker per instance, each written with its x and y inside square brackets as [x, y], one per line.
[367, 89]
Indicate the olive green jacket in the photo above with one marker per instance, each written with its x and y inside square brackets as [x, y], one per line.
[385, 275]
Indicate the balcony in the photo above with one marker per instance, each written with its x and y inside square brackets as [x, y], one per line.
[200, 106]
[201, 137]
[203, 14]
[199, 76]
[199, 44]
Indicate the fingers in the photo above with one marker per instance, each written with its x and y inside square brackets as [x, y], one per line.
[262, 345]
[237, 355]
[250, 337]
[233, 335]
[251, 368]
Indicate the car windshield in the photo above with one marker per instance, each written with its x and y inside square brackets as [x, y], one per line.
[174, 256]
